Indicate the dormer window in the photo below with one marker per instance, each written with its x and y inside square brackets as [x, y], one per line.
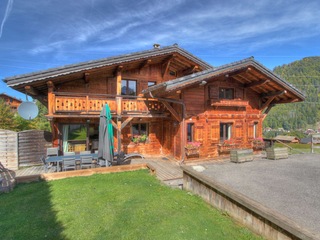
[226, 93]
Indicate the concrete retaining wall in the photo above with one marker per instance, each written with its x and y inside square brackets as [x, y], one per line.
[258, 218]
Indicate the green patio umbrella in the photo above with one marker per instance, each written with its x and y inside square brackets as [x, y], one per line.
[105, 149]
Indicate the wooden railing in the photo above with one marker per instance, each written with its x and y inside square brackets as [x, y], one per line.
[93, 103]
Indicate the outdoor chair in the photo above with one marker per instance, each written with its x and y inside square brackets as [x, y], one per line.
[86, 162]
[68, 153]
[68, 163]
[85, 152]
[52, 151]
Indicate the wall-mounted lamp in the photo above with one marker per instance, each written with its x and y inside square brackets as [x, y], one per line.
[203, 83]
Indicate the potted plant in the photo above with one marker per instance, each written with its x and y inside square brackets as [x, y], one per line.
[192, 148]
[139, 138]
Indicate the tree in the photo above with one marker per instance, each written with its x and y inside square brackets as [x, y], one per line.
[7, 117]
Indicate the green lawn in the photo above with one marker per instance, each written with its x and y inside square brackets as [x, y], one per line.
[298, 148]
[129, 205]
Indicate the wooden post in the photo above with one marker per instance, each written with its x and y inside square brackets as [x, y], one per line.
[119, 79]
[51, 99]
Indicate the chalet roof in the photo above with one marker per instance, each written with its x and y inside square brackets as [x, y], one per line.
[249, 72]
[83, 66]
[8, 96]
[285, 138]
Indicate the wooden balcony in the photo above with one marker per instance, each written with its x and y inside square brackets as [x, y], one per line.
[235, 103]
[81, 104]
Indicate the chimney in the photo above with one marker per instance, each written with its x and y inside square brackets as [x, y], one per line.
[156, 46]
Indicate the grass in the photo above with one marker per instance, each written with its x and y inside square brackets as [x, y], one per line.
[298, 148]
[130, 205]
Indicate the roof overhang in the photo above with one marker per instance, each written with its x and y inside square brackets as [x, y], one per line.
[38, 80]
[248, 72]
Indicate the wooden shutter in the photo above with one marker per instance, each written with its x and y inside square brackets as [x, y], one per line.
[238, 131]
[215, 132]
[199, 132]
[250, 130]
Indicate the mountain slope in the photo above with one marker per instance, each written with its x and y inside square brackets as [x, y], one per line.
[304, 75]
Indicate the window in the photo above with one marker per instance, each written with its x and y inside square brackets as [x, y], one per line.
[190, 131]
[151, 83]
[129, 87]
[225, 131]
[226, 93]
[172, 73]
[74, 137]
[139, 129]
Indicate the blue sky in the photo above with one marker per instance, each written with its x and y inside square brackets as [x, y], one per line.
[41, 34]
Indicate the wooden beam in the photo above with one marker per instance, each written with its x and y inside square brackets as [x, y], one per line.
[172, 111]
[273, 94]
[257, 83]
[31, 90]
[267, 102]
[119, 78]
[50, 85]
[166, 65]
[86, 77]
[145, 63]
[269, 108]
[190, 70]
[125, 123]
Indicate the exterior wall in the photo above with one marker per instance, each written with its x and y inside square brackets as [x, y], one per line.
[12, 102]
[242, 112]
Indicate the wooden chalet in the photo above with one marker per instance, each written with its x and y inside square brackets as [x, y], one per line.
[164, 102]
[12, 102]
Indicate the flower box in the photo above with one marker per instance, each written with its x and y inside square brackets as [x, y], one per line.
[192, 148]
[192, 151]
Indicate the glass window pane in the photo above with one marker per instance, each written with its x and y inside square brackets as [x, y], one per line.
[77, 132]
[124, 87]
[135, 129]
[132, 88]
[143, 129]
[151, 84]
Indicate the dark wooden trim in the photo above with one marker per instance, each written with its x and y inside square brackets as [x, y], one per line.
[172, 111]
[273, 94]
[258, 83]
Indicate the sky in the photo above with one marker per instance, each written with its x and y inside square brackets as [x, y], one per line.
[41, 34]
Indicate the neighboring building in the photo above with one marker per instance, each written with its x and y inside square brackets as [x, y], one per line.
[11, 101]
[166, 93]
[287, 139]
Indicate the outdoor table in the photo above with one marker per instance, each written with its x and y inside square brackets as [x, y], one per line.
[58, 159]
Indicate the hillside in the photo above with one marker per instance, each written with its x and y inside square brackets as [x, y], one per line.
[305, 76]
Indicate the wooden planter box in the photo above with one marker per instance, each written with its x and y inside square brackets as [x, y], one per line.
[241, 155]
[277, 153]
[192, 152]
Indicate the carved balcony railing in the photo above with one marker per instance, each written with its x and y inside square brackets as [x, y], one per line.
[81, 104]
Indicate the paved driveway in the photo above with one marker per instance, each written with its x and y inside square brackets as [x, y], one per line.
[289, 186]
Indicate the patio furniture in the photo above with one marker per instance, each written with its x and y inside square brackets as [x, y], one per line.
[53, 151]
[85, 152]
[58, 159]
[68, 163]
[68, 153]
[86, 162]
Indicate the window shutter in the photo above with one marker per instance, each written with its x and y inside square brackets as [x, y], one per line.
[214, 132]
[239, 130]
[199, 129]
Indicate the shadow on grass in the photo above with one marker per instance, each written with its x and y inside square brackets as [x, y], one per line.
[27, 213]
